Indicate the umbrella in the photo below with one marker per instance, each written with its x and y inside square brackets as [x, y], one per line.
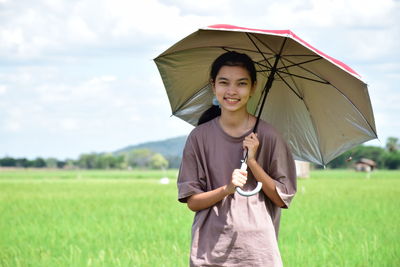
[319, 105]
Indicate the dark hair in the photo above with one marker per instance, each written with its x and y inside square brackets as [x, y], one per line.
[232, 59]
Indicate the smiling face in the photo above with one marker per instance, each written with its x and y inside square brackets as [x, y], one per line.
[233, 87]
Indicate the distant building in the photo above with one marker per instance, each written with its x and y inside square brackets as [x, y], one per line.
[365, 165]
[302, 169]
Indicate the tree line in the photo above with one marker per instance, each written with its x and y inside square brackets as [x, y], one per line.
[385, 158]
[140, 158]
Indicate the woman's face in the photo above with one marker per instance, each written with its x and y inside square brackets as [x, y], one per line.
[233, 87]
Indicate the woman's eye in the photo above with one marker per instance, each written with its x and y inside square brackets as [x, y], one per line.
[242, 83]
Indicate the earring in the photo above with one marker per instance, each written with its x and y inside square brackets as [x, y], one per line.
[215, 101]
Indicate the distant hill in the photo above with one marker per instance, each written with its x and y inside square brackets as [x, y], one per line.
[169, 148]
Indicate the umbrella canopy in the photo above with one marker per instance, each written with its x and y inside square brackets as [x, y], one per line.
[319, 105]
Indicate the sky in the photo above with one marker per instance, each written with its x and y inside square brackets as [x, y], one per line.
[77, 76]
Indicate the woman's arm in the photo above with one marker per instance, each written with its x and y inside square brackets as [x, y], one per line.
[251, 143]
[269, 187]
[205, 200]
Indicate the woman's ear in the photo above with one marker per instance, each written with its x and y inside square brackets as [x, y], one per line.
[253, 88]
[212, 85]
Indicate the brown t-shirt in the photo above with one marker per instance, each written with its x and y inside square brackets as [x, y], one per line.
[237, 231]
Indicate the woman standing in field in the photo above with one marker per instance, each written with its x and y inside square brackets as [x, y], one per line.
[229, 229]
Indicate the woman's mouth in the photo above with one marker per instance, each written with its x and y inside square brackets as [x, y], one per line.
[231, 100]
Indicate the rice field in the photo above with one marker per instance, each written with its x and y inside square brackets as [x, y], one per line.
[128, 218]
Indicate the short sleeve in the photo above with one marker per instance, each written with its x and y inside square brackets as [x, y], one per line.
[190, 173]
[283, 171]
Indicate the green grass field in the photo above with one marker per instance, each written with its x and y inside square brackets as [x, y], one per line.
[127, 218]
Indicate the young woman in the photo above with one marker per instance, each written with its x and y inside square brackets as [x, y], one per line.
[230, 229]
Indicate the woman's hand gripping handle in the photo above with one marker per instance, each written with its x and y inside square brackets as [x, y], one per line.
[241, 192]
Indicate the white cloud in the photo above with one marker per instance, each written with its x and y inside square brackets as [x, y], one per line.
[135, 118]
[13, 119]
[149, 18]
[78, 29]
[349, 13]
[321, 13]
[3, 89]
[45, 28]
[12, 126]
[69, 124]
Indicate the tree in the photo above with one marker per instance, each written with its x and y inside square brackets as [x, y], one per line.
[38, 163]
[51, 163]
[341, 161]
[22, 163]
[107, 161]
[61, 164]
[87, 161]
[392, 144]
[70, 164]
[174, 161]
[158, 161]
[392, 160]
[7, 162]
[138, 158]
[119, 161]
[355, 154]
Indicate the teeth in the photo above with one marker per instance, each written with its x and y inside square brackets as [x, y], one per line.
[232, 99]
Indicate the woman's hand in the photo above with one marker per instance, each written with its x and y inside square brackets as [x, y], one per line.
[251, 143]
[239, 179]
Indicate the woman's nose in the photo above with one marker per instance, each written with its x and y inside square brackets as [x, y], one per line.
[231, 89]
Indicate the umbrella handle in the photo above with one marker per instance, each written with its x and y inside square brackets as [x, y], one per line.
[243, 167]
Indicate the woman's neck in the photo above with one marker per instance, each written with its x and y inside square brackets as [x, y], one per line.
[236, 123]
